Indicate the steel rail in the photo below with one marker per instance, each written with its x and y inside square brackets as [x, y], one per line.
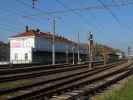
[60, 85]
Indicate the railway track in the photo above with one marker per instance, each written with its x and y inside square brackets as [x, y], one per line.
[91, 89]
[72, 85]
[59, 76]
[39, 67]
[22, 66]
[36, 65]
[53, 85]
[32, 72]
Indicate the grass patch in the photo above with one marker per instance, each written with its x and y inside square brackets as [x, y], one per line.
[15, 83]
[125, 92]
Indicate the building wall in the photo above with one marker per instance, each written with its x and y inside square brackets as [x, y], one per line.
[21, 49]
[43, 44]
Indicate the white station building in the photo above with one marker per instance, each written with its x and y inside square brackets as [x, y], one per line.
[35, 46]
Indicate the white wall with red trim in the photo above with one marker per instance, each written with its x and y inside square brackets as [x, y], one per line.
[21, 46]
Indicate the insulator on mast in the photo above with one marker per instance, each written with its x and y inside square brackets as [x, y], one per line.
[33, 3]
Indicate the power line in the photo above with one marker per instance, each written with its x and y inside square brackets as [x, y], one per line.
[11, 27]
[30, 17]
[82, 17]
[9, 12]
[123, 4]
[86, 8]
[110, 11]
[44, 13]
[8, 29]
[35, 8]
[18, 13]
[53, 36]
[92, 16]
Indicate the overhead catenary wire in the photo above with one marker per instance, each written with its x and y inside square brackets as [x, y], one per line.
[76, 13]
[12, 28]
[81, 9]
[20, 14]
[113, 14]
[35, 9]
[7, 29]
[34, 19]
[97, 25]
[119, 8]
[8, 26]
[45, 16]
[53, 36]
[45, 13]
[30, 17]
[110, 11]
[94, 7]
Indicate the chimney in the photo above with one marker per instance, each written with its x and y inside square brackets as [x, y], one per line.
[26, 28]
[38, 30]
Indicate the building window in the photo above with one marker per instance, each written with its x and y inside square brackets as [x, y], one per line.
[16, 56]
[26, 56]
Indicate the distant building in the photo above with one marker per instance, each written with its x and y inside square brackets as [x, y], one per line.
[4, 51]
[35, 46]
[121, 55]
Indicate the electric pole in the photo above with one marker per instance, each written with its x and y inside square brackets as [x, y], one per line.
[104, 55]
[90, 49]
[78, 50]
[53, 43]
[129, 52]
[67, 53]
[73, 55]
[53, 36]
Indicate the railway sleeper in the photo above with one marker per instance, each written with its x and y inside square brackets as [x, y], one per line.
[93, 90]
[32, 98]
[14, 89]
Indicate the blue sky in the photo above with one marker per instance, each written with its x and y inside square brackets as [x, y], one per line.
[118, 34]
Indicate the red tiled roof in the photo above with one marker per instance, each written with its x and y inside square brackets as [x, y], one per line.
[47, 35]
[31, 33]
